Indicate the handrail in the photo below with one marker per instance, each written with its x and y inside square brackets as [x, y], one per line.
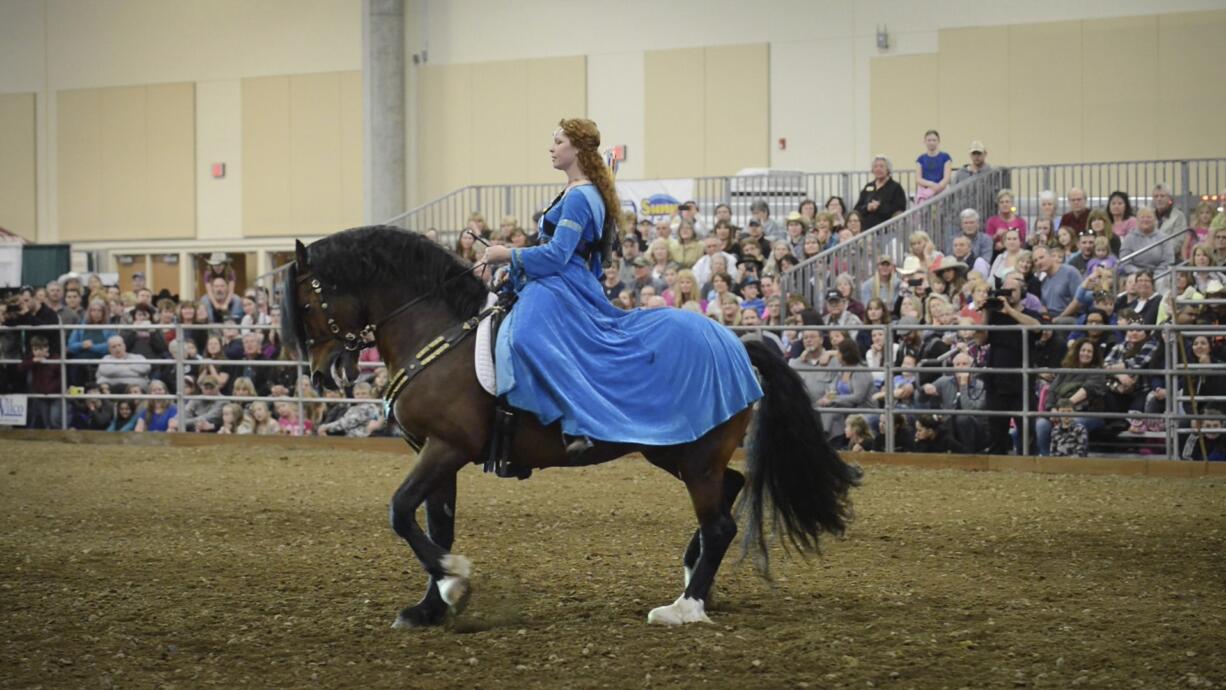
[1163, 239]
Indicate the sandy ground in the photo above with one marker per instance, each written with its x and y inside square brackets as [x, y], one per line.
[128, 567]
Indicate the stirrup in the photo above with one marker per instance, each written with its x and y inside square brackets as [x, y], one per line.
[577, 446]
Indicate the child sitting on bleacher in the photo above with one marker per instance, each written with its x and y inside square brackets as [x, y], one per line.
[1069, 437]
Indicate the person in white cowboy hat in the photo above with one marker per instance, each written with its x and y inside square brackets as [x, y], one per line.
[218, 265]
[914, 282]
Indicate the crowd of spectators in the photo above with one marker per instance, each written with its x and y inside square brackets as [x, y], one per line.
[223, 340]
[1069, 263]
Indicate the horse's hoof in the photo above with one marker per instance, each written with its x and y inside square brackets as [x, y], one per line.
[420, 616]
[680, 612]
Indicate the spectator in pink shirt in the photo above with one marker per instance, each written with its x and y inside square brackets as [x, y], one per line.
[1119, 210]
[1006, 218]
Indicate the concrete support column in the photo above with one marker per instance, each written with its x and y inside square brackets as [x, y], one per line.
[383, 80]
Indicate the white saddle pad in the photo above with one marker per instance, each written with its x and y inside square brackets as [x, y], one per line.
[483, 358]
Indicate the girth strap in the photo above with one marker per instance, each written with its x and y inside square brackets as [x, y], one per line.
[433, 350]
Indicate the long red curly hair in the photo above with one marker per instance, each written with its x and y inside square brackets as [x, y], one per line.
[585, 137]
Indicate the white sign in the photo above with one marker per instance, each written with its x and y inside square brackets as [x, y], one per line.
[12, 410]
[655, 198]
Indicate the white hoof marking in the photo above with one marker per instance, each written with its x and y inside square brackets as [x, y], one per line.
[679, 612]
[453, 589]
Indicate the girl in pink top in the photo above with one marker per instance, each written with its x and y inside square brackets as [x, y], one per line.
[1198, 228]
[1006, 218]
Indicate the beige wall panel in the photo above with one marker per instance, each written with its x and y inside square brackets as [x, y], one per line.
[352, 170]
[615, 101]
[315, 153]
[18, 190]
[123, 127]
[557, 88]
[170, 198]
[904, 95]
[1045, 110]
[811, 89]
[445, 137]
[219, 139]
[266, 156]
[79, 164]
[737, 102]
[499, 122]
[1119, 87]
[674, 127]
[974, 97]
[1191, 102]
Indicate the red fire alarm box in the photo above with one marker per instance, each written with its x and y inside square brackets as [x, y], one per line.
[219, 171]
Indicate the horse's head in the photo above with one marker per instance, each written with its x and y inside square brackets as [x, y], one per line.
[323, 324]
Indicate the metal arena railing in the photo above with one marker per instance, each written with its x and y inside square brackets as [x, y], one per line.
[1179, 408]
[782, 190]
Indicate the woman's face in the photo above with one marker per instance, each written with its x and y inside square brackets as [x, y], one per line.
[980, 294]
[466, 240]
[686, 232]
[1085, 356]
[730, 309]
[685, 285]
[822, 225]
[780, 250]
[908, 309]
[659, 254]
[212, 347]
[1047, 207]
[918, 244]
[670, 276]
[835, 206]
[562, 152]
[156, 387]
[874, 313]
[931, 141]
[1024, 265]
[1200, 347]
[1144, 286]
[836, 339]
[1200, 257]
[720, 285]
[844, 288]
[1012, 241]
[812, 245]
[1064, 237]
[1004, 205]
[795, 308]
[1116, 206]
[1098, 225]
[248, 306]
[879, 340]
[809, 209]
[853, 224]
[124, 409]
[1042, 228]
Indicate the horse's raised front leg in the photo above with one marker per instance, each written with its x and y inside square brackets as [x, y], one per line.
[432, 481]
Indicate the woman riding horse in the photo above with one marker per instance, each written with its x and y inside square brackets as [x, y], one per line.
[566, 353]
[667, 383]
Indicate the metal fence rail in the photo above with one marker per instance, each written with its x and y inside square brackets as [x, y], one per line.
[1173, 371]
[782, 190]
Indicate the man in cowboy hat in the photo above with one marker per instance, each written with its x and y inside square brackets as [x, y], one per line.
[914, 281]
[797, 226]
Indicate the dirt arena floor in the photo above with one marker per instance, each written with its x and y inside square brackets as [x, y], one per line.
[267, 568]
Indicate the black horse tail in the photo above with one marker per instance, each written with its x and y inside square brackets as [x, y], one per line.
[794, 473]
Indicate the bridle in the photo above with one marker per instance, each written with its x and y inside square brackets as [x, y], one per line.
[365, 337]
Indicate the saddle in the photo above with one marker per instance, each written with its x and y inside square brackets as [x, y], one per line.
[497, 452]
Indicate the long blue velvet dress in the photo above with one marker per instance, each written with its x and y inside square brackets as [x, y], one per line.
[647, 376]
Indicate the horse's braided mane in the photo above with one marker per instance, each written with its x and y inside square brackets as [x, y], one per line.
[359, 258]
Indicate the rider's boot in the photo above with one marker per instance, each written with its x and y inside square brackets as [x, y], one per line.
[576, 446]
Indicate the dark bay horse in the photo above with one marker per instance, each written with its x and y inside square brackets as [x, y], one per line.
[408, 290]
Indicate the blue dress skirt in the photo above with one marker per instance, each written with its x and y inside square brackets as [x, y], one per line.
[647, 376]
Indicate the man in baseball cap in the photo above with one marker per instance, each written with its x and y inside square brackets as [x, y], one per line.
[979, 163]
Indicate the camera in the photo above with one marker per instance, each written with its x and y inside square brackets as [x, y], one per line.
[996, 299]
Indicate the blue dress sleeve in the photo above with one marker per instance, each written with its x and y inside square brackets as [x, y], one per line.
[552, 257]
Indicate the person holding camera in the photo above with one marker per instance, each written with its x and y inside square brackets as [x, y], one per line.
[1005, 390]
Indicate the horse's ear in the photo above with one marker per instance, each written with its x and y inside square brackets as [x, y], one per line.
[300, 255]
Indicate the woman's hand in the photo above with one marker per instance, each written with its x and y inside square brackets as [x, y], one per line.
[497, 254]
